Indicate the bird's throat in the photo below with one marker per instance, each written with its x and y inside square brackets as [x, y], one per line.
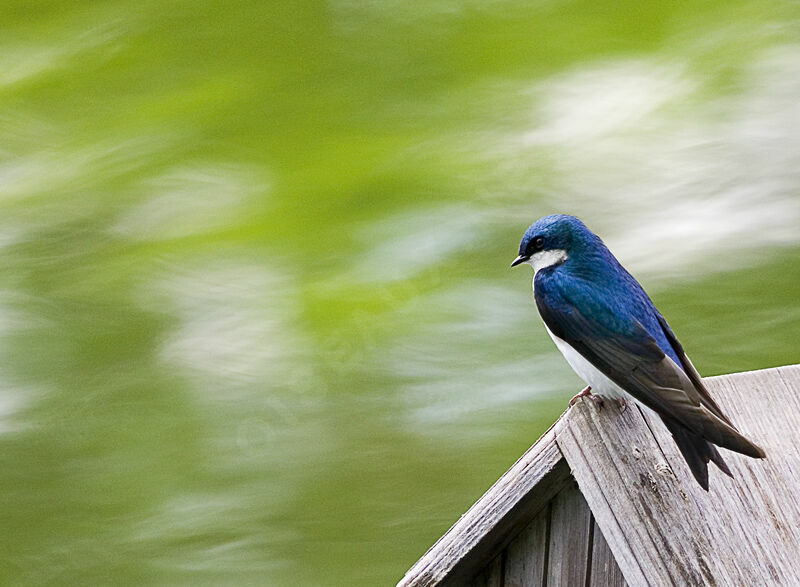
[545, 259]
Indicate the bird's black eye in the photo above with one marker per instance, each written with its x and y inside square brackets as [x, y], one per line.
[535, 245]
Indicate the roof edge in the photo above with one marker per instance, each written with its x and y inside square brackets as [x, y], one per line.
[491, 522]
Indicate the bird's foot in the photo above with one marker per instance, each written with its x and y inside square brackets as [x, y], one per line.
[587, 392]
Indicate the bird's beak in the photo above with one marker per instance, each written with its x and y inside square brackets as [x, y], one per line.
[520, 259]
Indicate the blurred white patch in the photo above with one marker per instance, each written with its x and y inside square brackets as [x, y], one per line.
[404, 244]
[14, 398]
[464, 357]
[604, 100]
[675, 180]
[239, 348]
[237, 335]
[211, 532]
[482, 388]
[192, 200]
[39, 173]
[21, 62]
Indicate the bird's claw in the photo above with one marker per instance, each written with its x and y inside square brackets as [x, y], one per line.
[587, 392]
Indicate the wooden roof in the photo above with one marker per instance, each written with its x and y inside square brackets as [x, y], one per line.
[661, 527]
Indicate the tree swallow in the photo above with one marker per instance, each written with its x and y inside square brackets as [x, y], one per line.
[616, 340]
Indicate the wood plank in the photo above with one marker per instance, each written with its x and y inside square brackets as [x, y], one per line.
[526, 555]
[492, 574]
[499, 515]
[605, 571]
[592, 441]
[660, 525]
[570, 538]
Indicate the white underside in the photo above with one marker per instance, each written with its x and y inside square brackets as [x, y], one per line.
[600, 384]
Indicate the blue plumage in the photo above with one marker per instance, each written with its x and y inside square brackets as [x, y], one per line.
[614, 337]
[592, 280]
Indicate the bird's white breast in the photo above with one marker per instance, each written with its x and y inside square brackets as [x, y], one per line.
[600, 384]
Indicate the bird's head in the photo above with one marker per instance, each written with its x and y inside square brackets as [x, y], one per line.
[550, 240]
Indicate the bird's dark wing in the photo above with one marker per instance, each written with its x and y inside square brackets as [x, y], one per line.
[691, 372]
[627, 354]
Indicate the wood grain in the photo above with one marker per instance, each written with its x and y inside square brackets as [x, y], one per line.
[492, 574]
[526, 555]
[660, 525]
[605, 570]
[570, 542]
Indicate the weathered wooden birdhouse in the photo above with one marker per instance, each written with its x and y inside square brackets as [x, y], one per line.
[605, 498]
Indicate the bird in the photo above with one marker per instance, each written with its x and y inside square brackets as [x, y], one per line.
[614, 338]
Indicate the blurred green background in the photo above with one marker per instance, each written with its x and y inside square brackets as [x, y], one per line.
[257, 324]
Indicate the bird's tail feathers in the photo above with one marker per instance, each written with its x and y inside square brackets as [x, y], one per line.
[697, 452]
[725, 435]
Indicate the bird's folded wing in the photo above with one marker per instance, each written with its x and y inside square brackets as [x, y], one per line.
[631, 358]
[703, 395]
